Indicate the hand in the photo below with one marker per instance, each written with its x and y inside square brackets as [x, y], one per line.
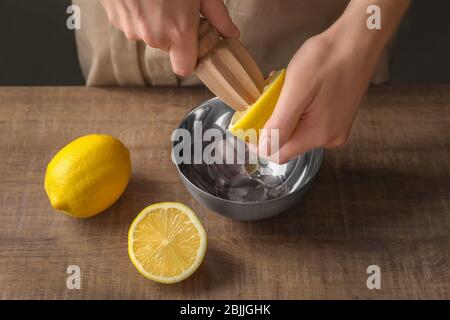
[170, 25]
[325, 83]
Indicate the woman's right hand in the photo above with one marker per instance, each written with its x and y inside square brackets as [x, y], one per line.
[170, 25]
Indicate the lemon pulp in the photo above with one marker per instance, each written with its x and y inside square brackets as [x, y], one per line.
[166, 242]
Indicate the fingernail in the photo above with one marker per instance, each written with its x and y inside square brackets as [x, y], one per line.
[236, 31]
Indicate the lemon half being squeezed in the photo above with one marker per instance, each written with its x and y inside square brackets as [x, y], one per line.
[256, 115]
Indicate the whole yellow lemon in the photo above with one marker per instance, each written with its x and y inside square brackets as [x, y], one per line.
[88, 175]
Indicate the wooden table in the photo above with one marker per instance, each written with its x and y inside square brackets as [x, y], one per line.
[381, 200]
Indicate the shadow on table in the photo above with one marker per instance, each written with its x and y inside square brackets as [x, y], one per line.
[218, 269]
[360, 202]
[139, 193]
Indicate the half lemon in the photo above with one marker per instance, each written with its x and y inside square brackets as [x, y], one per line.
[256, 115]
[166, 242]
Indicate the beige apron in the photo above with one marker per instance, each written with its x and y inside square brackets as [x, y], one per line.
[272, 30]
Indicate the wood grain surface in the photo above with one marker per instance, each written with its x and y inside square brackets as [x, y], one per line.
[382, 199]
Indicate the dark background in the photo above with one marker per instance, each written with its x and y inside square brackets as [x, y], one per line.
[36, 48]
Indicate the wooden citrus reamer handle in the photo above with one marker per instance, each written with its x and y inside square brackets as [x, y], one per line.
[227, 69]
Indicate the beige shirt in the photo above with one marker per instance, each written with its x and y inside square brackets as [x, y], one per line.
[272, 31]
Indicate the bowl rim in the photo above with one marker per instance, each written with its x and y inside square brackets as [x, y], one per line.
[321, 150]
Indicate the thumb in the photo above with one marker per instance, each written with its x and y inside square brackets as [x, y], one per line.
[296, 94]
[217, 14]
[303, 139]
[183, 54]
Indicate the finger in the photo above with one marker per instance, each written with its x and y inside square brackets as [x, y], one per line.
[112, 15]
[217, 14]
[296, 94]
[183, 54]
[302, 140]
[121, 19]
[128, 27]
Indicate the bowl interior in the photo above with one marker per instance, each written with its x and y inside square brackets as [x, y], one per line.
[239, 180]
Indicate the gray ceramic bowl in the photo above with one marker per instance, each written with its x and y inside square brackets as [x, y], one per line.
[229, 189]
